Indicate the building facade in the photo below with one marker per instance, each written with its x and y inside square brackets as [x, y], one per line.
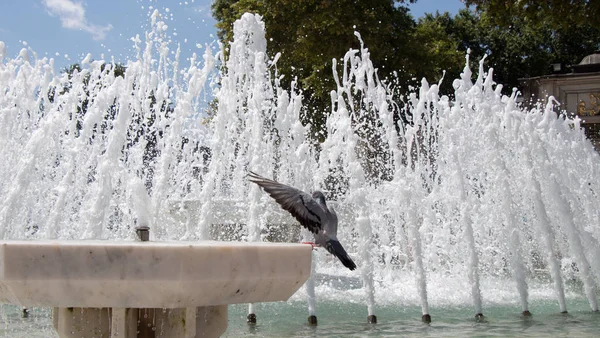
[578, 93]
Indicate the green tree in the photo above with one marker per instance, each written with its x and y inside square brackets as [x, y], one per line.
[520, 39]
[438, 49]
[524, 48]
[556, 13]
[310, 33]
[515, 51]
[519, 49]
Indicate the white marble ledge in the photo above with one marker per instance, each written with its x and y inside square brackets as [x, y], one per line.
[99, 274]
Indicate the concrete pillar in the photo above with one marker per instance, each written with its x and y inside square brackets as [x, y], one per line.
[205, 322]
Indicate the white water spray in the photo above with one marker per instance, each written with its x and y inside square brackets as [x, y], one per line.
[473, 187]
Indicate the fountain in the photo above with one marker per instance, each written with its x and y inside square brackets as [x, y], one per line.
[476, 190]
[93, 142]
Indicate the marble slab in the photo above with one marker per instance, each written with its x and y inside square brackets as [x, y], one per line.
[149, 274]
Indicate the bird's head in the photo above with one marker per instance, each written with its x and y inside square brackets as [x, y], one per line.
[319, 197]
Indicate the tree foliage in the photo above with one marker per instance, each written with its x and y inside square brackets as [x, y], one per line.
[522, 48]
[438, 48]
[556, 13]
[519, 39]
[519, 49]
[310, 33]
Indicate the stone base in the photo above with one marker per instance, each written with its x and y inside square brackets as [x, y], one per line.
[147, 289]
[207, 321]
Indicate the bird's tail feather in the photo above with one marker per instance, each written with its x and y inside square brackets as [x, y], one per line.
[336, 249]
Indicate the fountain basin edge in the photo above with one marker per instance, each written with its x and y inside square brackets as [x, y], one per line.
[188, 277]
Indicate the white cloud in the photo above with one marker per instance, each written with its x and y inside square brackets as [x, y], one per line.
[72, 16]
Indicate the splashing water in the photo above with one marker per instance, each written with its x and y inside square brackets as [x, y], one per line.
[475, 189]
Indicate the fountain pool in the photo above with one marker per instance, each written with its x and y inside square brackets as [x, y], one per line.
[477, 203]
[337, 319]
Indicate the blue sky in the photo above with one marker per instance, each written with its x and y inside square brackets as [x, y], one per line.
[67, 30]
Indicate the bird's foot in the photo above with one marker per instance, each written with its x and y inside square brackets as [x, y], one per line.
[314, 245]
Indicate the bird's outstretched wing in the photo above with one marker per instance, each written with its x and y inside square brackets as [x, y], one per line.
[331, 227]
[298, 203]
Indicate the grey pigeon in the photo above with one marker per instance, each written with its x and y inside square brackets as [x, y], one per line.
[311, 211]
